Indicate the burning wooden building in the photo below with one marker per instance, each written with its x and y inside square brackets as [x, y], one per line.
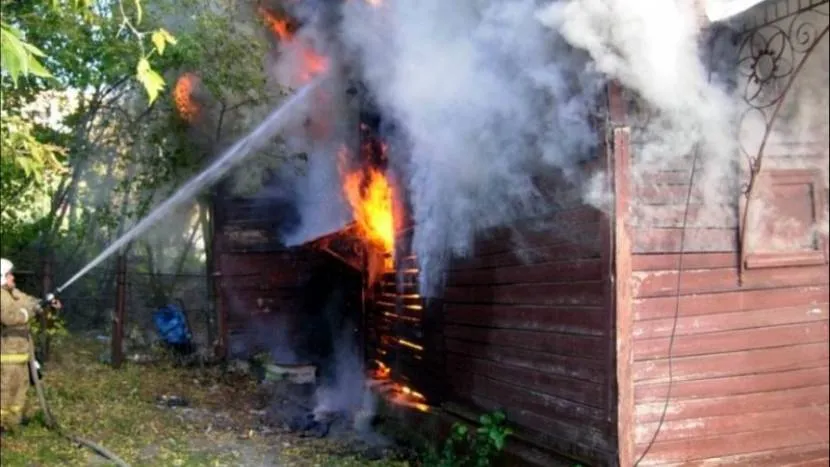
[608, 336]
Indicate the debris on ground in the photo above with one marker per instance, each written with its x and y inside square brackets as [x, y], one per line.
[163, 414]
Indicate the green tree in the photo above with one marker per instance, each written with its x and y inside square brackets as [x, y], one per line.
[117, 157]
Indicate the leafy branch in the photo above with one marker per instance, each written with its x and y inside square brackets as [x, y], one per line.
[21, 58]
[467, 448]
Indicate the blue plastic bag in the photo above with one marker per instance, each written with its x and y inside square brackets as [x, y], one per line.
[171, 325]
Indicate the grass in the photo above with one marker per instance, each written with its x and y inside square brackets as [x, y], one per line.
[118, 409]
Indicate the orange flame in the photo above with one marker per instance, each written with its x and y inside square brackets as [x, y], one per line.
[399, 394]
[311, 63]
[183, 96]
[371, 197]
[279, 26]
[372, 206]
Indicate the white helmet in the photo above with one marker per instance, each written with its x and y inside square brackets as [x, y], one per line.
[5, 268]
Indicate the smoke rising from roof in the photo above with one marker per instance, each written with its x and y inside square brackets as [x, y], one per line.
[487, 95]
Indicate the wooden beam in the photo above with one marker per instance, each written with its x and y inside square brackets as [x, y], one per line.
[619, 162]
[117, 352]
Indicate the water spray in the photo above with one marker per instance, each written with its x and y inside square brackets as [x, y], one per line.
[229, 159]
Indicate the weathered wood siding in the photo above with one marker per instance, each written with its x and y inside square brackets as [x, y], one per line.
[525, 326]
[260, 283]
[749, 364]
[740, 331]
[749, 354]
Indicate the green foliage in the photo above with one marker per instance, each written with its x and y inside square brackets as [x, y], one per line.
[119, 409]
[471, 448]
[24, 165]
[99, 21]
[152, 81]
[72, 181]
[20, 147]
[56, 325]
[18, 57]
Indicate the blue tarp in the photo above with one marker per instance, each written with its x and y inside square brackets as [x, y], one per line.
[171, 325]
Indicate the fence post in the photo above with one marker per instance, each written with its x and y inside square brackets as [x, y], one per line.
[117, 351]
[44, 317]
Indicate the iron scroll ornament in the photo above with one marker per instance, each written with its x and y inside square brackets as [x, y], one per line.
[770, 58]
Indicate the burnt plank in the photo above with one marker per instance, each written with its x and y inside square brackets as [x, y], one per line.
[588, 293]
[589, 248]
[561, 226]
[573, 320]
[581, 391]
[553, 343]
[560, 271]
[575, 440]
[466, 384]
[571, 367]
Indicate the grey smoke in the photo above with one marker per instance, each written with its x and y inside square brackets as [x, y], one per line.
[488, 94]
[319, 197]
[486, 97]
[346, 391]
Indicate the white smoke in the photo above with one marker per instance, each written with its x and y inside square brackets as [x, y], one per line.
[653, 48]
[319, 198]
[486, 97]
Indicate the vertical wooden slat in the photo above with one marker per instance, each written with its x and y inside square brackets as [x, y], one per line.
[605, 163]
[117, 351]
[214, 273]
[620, 161]
[44, 317]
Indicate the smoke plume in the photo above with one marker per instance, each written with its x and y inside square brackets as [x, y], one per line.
[486, 95]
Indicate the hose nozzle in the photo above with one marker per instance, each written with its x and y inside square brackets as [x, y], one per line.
[49, 298]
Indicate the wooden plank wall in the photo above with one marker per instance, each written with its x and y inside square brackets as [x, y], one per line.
[259, 281]
[525, 327]
[749, 362]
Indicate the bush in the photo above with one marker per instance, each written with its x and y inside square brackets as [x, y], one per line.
[467, 448]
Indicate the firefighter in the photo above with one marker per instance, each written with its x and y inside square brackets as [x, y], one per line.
[16, 311]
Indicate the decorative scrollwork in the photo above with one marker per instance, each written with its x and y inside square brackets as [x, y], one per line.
[769, 55]
[769, 59]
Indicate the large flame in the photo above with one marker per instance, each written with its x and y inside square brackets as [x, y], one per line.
[183, 96]
[372, 200]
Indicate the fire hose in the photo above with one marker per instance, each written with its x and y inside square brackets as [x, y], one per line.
[50, 420]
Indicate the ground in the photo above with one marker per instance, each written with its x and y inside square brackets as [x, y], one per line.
[121, 410]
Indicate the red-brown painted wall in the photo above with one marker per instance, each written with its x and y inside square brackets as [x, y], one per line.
[749, 361]
[525, 328]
